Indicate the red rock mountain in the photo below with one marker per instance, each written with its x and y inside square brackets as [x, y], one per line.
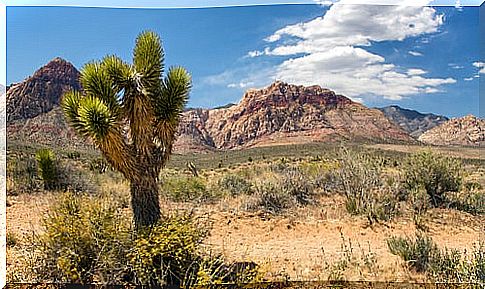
[284, 114]
[42, 91]
[464, 131]
[278, 114]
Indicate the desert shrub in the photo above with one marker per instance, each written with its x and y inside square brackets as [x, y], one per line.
[359, 178]
[99, 165]
[423, 255]
[435, 173]
[298, 185]
[216, 271]
[12, 239]
[419, 201]
[47, 166]
[235, 185]
[182, 188]
[417, 253]
[166, 253]
[270, 198]
[22, 176]
[470, 201]
[84, 239]
[73, 155]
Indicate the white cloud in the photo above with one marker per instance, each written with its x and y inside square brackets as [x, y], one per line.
[416, 71]
[331, 50]
[468, 78]
[241, 84]
[415, 53]
[480, 65]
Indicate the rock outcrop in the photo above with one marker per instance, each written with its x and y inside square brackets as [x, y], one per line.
[464, 131]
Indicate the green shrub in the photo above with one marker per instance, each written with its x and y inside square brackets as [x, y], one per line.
[419, 200]
[435, 173]
[298, 185]
[184, 188]
[270, 198]
[22, 172]
[99, 165]
[235, 185]
[46, 163]
[417, 253]
[166, 253]
[423, 255]
[73, 155]
[470, 201]
[359, 178]
[84, 239]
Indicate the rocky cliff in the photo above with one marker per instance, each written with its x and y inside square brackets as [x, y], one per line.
[464, 131]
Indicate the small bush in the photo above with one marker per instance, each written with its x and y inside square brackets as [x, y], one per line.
[185, 188]
[235, 185]
[297, 185]
[84, 239]
[435, 173]
[12, 239]
[423, 255]
[99, 165]
[417, 253]
[74, 155]
[470, 201]
[166, 253]
[359, 178]
[47, 166]
[22, 176]
[270, 198]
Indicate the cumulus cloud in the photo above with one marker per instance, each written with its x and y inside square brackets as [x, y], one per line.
[480, 65]
[415, 53]
[468, 78]
[331, 50]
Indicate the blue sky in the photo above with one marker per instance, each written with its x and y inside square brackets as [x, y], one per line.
[425, 58]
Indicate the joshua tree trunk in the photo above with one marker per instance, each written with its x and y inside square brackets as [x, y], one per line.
[145, 202]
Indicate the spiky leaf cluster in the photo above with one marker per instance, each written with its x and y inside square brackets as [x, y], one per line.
[130, 111]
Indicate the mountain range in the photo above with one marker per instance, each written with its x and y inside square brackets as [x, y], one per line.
[281, 113]
[412, 121]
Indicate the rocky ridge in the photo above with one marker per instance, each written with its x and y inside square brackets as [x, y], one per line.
[414, 122]
[464, 131]
[283, 114]
[41, 92]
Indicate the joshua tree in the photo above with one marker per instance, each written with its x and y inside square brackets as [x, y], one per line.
[131, 113]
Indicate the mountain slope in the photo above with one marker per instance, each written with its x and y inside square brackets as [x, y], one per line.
[42, 91]
[283, 113]
[464, 131]
[414, 122]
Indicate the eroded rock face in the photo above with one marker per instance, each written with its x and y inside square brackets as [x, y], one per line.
[413, 122]
[42, 91]
[285, 113]
[464, 131]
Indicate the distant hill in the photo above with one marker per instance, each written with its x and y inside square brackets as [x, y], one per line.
[464, 131]
[412, 121]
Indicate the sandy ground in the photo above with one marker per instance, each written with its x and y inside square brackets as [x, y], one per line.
[301, 245]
